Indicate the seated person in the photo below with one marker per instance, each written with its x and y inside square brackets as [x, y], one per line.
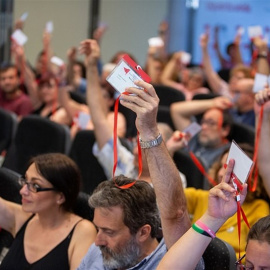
[216, 123]
[75, 109]
[12, 98]
[192, 82]
[43, 92]
[48, 235]
[232, 50]
[46, 101]
[243, 102]
[121, 245]
[221, 205]
[254, 206]
[103, 148]
[76, 72]
[216, 83]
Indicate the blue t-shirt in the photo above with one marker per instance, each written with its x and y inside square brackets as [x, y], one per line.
[93, 259]
[247, 118]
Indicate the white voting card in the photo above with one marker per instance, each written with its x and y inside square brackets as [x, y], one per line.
[49, 27]
[243, 163]
[123, 77]
[260, 81]
[57, 61]
[185, 58]
[192, 129]
[19, 37]
[83, 120]
[254, 31]
[240, 31]
[155, 42]
[125, 73]
[24, 16]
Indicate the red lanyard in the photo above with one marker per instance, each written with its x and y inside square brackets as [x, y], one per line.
[238, 187]
[115, 146]
[201, 169]
[253, 185]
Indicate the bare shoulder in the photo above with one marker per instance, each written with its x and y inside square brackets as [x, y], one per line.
[85, 228]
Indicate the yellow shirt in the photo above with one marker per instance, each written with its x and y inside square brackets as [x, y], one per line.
[197, 203]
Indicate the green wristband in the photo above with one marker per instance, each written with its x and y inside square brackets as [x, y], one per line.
[199, 230]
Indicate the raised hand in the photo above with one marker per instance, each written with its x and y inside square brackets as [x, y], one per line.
[263, 96]
[71, 54]
[222, 198]
[204, 39]
[145, 104]
[91, 50]
[222, 103]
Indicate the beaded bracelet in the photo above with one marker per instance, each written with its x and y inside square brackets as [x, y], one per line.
[205, 228]
[199, 230]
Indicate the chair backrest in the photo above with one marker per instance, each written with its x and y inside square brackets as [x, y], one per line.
[164, 116]
[186, 166]
[242, 133]
[8, 122]
[219, 255]
[205, 96]
[78, 97]
[81, 153]
[9, 190]
[82, 207]
[168, 95]
[36, 135]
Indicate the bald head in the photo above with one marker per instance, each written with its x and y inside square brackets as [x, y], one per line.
[243, 95]
[245, 85]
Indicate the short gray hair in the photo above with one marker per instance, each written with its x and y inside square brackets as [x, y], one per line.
[138, 202]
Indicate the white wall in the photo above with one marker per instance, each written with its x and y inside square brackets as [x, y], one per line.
[131, 23]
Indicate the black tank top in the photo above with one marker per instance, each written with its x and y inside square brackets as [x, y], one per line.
[55, 259]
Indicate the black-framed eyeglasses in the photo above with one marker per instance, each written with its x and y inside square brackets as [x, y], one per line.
[240, 266]
[33, 187]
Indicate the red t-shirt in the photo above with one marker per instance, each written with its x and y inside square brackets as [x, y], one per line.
[21, 105]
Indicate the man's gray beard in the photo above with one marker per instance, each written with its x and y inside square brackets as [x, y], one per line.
[123, 258]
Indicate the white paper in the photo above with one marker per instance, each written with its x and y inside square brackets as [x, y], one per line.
[123, 76]
[260, 82]
[185, 58]
[19, 37]
[254, 31]
[83, 120]
[24, 16]
[192, 130]
[243, 163]
[57, 61]
[155, 42]
[49, 27]
[240, 31]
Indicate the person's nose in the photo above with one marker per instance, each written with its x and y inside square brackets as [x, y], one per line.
[24, 190]
[100, 239]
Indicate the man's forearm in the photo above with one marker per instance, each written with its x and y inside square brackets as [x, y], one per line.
[170, 195]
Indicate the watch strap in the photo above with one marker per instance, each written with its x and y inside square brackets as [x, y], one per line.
[149, 144]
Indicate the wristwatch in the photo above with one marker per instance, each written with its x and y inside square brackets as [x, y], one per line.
[262, 55]
[149, 144]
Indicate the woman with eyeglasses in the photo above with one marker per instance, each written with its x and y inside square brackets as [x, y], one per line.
[48, 235]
